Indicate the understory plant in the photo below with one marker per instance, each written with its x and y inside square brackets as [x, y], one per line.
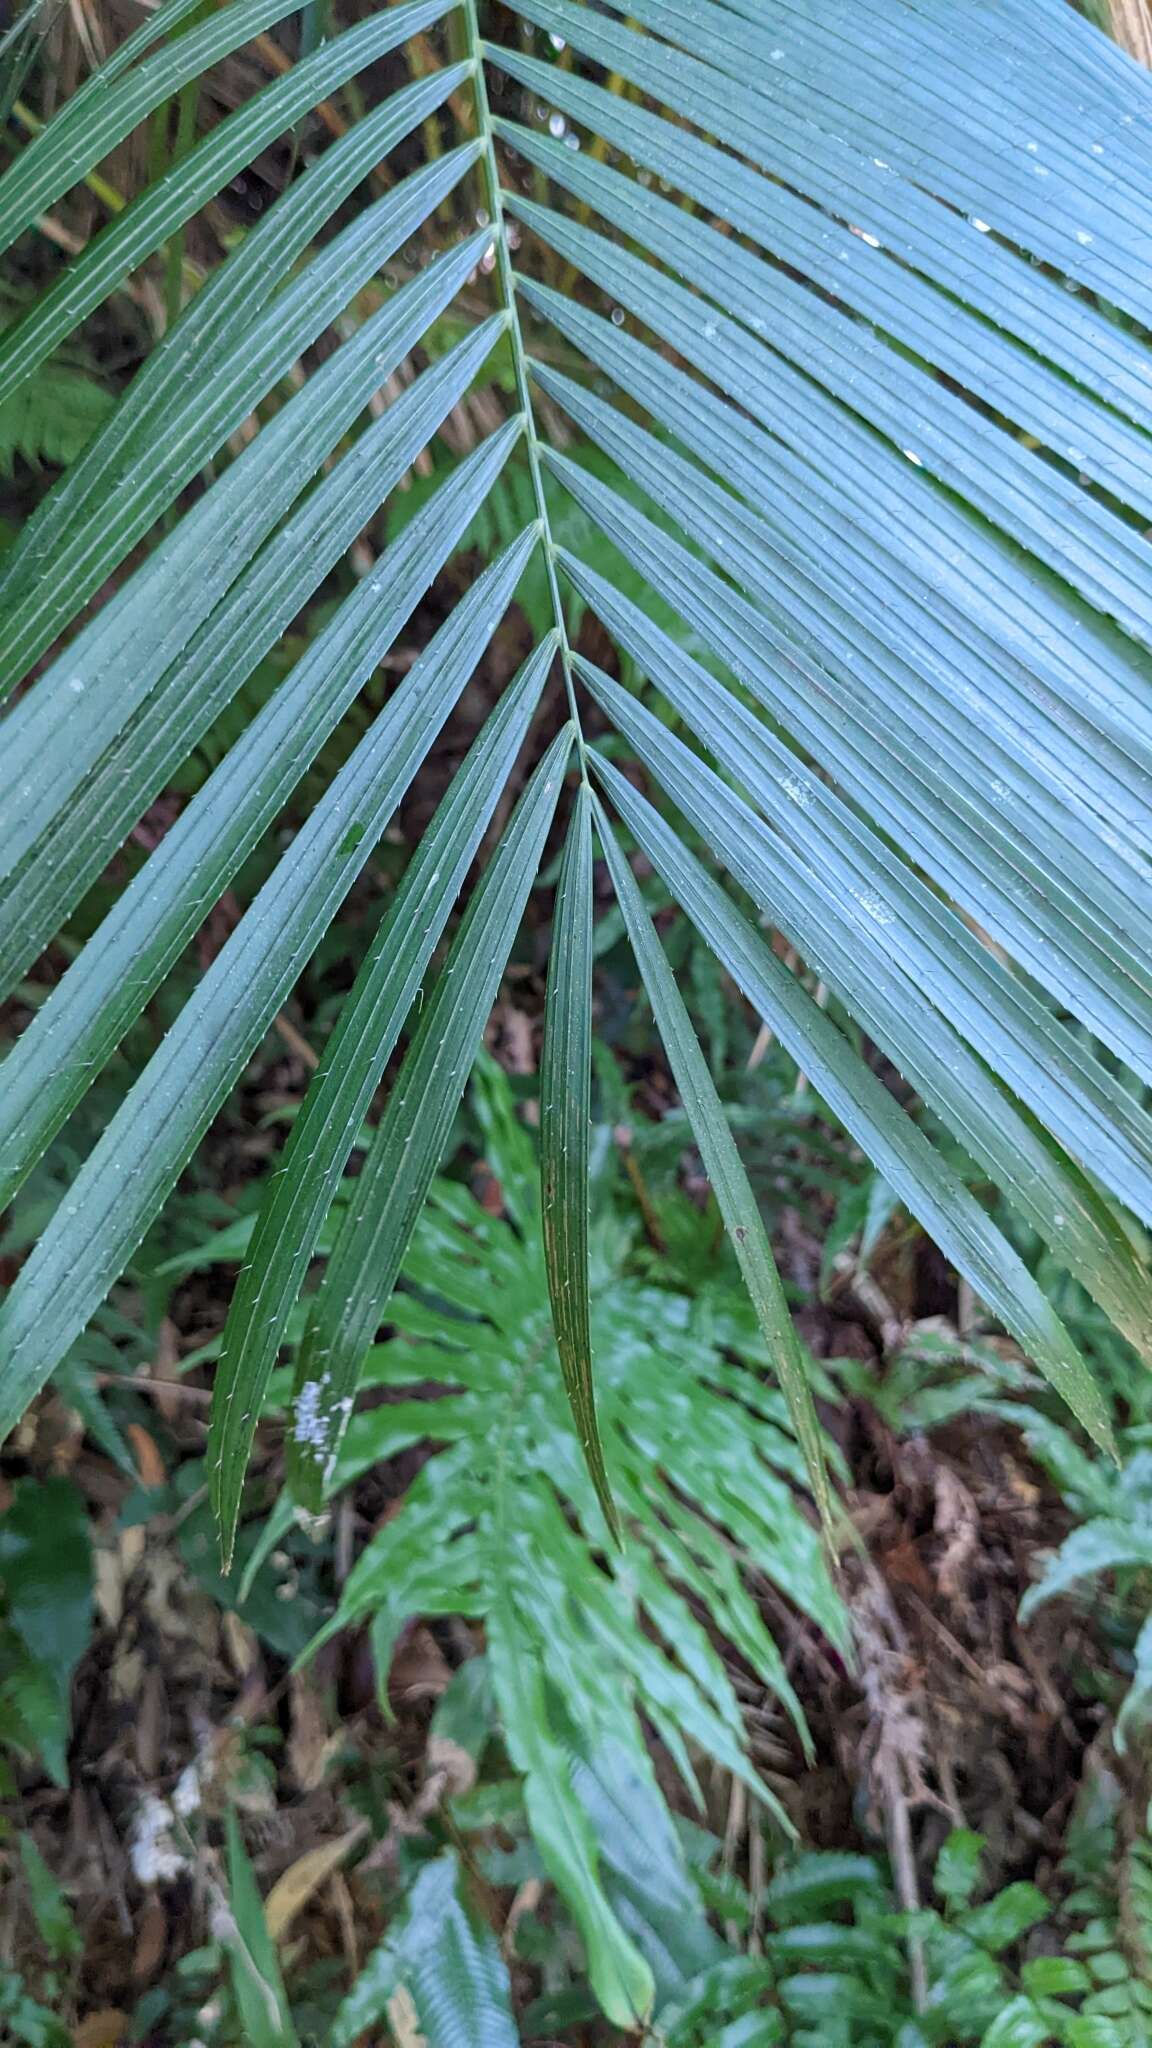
[587, 1642]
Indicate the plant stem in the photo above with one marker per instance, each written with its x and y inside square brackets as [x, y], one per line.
[507, 280]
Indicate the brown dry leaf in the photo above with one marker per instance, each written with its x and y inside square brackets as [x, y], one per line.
[165, 1368]
[150, 1724]
[903, 1566]
[295, 1887]
[511, 1039]
[957, 1520]
[1131, 24]
[420, 1670]
[240, 1642]
[311, 1743]
[451, 1768]
[105, 2029]
[151, 1938]
[108, 1584]
[403, 2020]
[527, 1899]
[149, 1463]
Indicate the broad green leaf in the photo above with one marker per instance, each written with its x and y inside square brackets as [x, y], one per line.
[1103, 1545]
[1136, 1706]
[338, 1099]
[956, 1872]
[734, 1197]
[643, 1866]
[46, 1580]
[410, 1138]
[565, 1112]
[1003, 1919]
[163, 208]
[142, 935]
[127, 1176]
[50, 1909]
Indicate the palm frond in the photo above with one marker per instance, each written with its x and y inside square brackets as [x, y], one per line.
[862, 374]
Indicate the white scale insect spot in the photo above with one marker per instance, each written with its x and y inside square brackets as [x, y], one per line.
[76, 683]
[873, 241]
[981, 226]
[1083, 237]
[311, 1426]
[797, 792]
[877, 908]
[910, 455]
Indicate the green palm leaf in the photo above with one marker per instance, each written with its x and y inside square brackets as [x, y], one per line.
[868, 389]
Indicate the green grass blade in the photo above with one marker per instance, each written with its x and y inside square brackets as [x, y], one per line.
[257, 1980]
[164, 208]
[925, 1182]
[565, 1113]
[332, 1114]
[409, 1141]
[80, 839]
[126, 1178]
[724, 1167]
[112, 978]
